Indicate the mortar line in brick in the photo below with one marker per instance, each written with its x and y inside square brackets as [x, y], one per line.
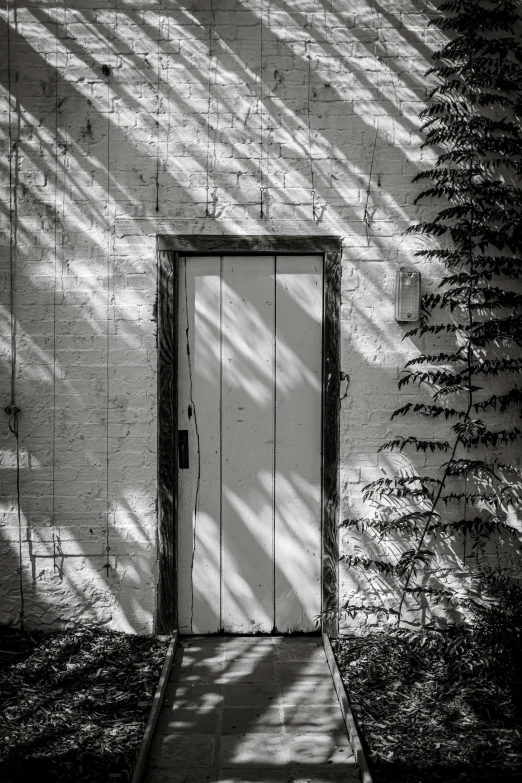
[261, 213]
[53, 490]
[209, 100]
[158, 85]
[107, 344]
[309, 89]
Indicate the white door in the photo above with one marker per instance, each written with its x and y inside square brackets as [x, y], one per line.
[249, 416]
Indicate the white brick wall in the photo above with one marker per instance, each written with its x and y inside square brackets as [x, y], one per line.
[88, 154]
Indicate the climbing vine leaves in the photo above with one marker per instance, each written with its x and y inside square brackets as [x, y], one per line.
[464, 492]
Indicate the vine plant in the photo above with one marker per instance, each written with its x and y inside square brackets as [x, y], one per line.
[474, 120]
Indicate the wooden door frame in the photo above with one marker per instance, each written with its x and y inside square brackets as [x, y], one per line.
[169, 249]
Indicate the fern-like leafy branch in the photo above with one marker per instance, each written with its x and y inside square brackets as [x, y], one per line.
[474, 119]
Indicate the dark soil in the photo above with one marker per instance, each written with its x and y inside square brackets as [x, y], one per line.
[74, 704]
[432, 712]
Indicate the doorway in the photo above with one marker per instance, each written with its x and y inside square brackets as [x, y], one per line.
[249, 443]
[254, 487]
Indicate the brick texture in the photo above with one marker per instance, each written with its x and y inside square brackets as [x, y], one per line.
[130, 119]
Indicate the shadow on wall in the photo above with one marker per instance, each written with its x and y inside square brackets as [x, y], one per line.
[122, 118]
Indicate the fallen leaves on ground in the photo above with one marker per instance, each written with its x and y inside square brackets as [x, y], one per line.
[427, 716]
[74, 703]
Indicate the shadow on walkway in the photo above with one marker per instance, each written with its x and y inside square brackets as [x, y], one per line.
[257, 709]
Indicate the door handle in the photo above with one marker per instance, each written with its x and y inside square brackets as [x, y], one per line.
[183, 450]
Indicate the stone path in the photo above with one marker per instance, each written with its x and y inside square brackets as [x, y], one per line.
[251, 710]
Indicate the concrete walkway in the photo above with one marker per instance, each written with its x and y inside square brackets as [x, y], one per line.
[251, 710]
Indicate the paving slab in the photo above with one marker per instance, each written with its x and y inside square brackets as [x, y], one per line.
[250, 670]
[308, 691]
[197, 671]
[300, 652]
[251, 694]
[251, 710]
[290, 775]
[296, 670]
[253, 641]
[182, 750]
[176, 720]
[189, 642]
[249, 775]
[319, 749]
[244, 653]
[346, 773]
[201, 696]
[182, 775]
[254, 750]
[242, 720]
[299, 719]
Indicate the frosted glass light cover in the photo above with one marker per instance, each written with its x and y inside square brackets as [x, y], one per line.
[407, 294]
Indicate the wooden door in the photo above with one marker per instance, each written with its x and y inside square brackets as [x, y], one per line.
[249, 416]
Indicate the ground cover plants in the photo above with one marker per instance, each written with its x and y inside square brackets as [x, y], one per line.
[74, 704]
[442, 706]
[435, 708]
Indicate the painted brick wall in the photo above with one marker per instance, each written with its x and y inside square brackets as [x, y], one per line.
[130, 118]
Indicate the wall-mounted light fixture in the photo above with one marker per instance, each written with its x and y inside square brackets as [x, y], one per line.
[407, 294]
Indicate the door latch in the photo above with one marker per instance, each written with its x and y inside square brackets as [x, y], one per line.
[183, 450]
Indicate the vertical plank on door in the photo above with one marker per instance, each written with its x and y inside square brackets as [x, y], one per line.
[247, 443]
[299, 314]
[199, 413]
